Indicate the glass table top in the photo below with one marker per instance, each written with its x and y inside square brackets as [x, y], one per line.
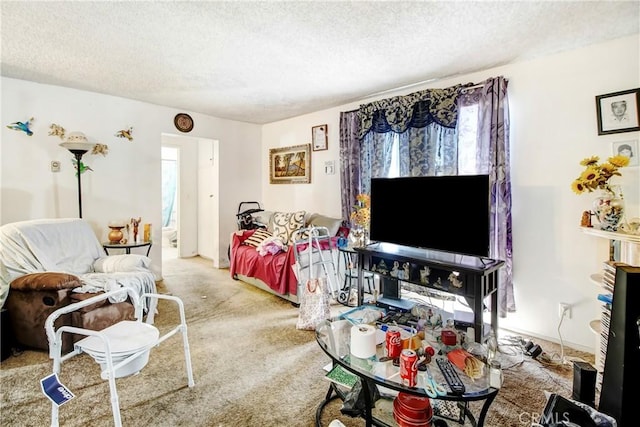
[334, 338]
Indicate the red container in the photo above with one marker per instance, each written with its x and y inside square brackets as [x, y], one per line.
[413, 407]
[409, 367]
[448, 337]
[412, 411]
[394, 343]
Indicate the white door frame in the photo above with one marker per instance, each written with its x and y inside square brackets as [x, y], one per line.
[188, 197]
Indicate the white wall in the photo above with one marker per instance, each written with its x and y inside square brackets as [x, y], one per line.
[125, 183]
[552, 104]
[322, 194]
[553, 127]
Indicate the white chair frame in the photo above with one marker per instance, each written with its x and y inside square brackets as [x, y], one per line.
[55, 341]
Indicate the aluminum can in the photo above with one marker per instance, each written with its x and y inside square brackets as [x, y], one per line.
[409, 367]
[393, 343]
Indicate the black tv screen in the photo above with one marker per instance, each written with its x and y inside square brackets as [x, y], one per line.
[445, 213]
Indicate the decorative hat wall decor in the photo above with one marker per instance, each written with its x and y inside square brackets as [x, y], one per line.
[56, 130]
[100, 149]
[22, 126]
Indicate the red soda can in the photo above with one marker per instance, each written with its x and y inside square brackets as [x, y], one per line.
[393, 343]
[409, 367]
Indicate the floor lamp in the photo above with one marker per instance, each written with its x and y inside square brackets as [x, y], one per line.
[78, 149]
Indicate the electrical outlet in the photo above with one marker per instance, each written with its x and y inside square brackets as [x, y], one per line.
[564, 309]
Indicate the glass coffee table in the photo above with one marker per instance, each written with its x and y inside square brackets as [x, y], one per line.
[334, 339]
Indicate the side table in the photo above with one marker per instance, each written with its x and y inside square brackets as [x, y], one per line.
[126, 246]
[350, 258]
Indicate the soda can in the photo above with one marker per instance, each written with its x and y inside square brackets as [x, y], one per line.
[409, 367]
[393, 343]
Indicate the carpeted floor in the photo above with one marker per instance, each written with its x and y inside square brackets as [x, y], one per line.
[251, 368]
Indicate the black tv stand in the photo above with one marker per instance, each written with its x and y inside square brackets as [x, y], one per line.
[472, 277]
[485, 260]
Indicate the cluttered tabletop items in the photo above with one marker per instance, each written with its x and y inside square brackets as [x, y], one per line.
[416, 349]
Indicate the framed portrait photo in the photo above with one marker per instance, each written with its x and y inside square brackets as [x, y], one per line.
[290, 165]
[626, 148]
[319, 138]
[618, 112]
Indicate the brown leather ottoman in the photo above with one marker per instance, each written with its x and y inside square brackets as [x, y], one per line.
[33, 297]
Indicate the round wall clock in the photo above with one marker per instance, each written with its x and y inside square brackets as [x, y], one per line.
[183, 122]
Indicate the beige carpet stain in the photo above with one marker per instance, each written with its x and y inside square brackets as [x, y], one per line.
[250, 364]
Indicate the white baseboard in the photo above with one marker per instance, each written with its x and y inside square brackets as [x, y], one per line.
[556, 340]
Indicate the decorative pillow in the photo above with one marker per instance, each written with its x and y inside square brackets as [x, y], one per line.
[262, 217]
[45, 281]
[333, 224]
[121, 263]
[257, 237]
[285, 223]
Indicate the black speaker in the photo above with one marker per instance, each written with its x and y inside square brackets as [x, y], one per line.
[584, 383]
[621, 368]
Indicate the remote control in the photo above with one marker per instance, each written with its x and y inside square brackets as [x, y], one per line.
[451, 376]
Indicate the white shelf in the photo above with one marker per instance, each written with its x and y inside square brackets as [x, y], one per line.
[596, 278]
[612, 235]
[596, 326]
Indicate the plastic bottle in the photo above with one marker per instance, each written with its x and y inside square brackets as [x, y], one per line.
[495, 374]
[492, 347]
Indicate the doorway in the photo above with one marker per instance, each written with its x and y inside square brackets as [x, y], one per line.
[190, 197]
[170, 172]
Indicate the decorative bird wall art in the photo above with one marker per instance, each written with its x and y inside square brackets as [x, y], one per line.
[125, 133]
[56, 130]
[22, 126]
[83, 168]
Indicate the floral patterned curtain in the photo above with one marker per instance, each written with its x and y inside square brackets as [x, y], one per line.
[493, 158]
[349, 160]
[418, 109]
[424, 123]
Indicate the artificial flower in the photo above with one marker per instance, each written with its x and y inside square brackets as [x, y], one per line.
[361, 214]
[596, 175]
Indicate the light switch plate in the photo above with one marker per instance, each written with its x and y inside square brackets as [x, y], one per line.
[55, 166]
[329, 167]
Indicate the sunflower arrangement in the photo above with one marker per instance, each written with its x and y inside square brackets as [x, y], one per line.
[361, 213]
[596, 175]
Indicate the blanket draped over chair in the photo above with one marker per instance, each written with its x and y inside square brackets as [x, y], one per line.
[68, 245]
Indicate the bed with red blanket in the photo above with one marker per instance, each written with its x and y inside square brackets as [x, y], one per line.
[273, 273]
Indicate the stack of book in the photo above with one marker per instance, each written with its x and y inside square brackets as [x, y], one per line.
[608, 282]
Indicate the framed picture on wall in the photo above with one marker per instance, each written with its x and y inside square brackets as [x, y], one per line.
[319, 138]
[290, 165]
[627, 148]
[618, 112]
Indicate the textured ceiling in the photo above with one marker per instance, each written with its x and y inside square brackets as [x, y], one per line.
[265, 61]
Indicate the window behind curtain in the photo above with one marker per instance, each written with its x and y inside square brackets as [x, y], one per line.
[467, 143]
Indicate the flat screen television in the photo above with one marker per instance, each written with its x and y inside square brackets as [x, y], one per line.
[444, 213]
